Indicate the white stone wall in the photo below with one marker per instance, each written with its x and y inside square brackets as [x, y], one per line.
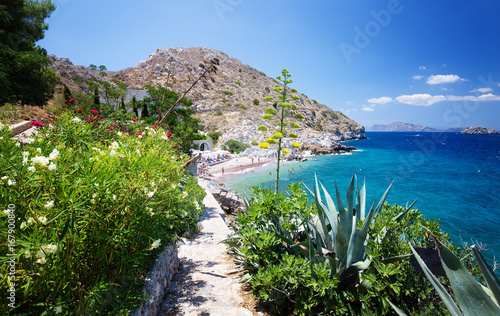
[162, 272]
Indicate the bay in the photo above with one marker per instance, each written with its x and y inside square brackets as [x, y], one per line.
[455, 177]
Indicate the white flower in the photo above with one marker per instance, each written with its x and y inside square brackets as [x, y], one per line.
[76, 120]
[114, 145]
[23, 224]
[114, 197]
[1, 125]
[96, 184]
[112, 152]
[43, 220]
[49, 205]
[30, 220]
[39, 150]
[26, 153]
[31, 168]
[119, 134]
[54, 154]
[155, 244]
[47, 249]
[29, 140]
[94, 196]
[78, 181]
[40, 160]
[4, 177]
[184, 194]
[41, 260]
[11, 182]
[58, 310]
[27, 254]
[6, 212]
[52, 167]
[150, 194]
[138, 151]
[18, 144]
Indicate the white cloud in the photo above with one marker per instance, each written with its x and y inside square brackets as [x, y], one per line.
[417, 77]
[427, 99]
[368, 108]
[382, 100]
[422, 68]
[420, 99]
[482, 90]
[439, 79]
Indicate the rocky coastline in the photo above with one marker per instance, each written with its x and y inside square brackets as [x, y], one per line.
[475, 130]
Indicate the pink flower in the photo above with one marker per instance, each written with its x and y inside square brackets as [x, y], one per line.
[133, 119]
[111, 128]
[169, 134]
[139, 134]
[123, 128]
[114, 125]
[79, 111]
[154, 126]
[94, 112]
[37, 124]
[88, 119]
[92, 119]
[100, 117]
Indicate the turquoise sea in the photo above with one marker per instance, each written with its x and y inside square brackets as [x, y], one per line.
[455, 177]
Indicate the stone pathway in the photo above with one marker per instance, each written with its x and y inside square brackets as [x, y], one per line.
[206, 283]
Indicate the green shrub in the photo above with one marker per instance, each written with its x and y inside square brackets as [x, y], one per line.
[227, 92]
[243, 107]
[94, 205]
[295, 97]
[318, 126]
[218, 113]
[271, 111]
[254, 143]
[237, 82]
[267, 116]
[294, 125]
[277, 244]
[299, 116]
[236, 147]
[256, 101]
[267, 89]
[262, 73]
[262, 128]
[214, 136]
[267, 99]
[254, 77]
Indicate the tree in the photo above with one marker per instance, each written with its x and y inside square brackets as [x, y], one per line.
[25, 77]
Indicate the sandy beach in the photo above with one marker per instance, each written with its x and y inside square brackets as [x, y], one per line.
[234, 167]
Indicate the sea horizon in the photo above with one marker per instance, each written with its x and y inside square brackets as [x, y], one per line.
[455, 177]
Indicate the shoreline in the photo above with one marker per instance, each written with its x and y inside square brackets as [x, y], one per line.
[235, 167]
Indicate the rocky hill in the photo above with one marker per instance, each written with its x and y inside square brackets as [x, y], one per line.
[479, 130]
[227, 103]
[409, 127]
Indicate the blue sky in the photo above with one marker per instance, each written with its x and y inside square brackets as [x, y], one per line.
[427, 62]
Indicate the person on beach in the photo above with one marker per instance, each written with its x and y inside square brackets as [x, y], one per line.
[222, 170]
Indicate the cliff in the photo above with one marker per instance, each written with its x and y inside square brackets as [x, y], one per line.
[409, 127]
[225, 104]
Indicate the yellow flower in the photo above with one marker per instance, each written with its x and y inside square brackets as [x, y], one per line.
[285, 151]
[264, 145]
[295, 145]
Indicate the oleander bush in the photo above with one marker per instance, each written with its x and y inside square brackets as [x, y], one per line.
[280, 243]
[93, 201]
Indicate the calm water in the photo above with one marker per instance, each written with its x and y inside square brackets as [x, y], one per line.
[455, 177]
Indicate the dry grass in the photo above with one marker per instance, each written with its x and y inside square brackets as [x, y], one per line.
[11, 114]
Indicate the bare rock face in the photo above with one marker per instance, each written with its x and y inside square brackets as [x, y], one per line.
[232, 103]
[479, 130]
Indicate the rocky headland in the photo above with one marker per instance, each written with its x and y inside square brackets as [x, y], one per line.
[232, 103]
[479, 130]
[409, 127]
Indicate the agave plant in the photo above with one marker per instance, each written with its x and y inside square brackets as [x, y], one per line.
[340, 234]
[472, 297]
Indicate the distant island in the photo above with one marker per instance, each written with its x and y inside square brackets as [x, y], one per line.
[479, 130]
[409, 127]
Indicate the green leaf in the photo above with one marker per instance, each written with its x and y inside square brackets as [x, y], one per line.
[489, 275]
[400, 312]
[470, 296]
[445, 297]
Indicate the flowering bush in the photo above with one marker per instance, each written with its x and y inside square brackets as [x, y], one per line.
[91, 208]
